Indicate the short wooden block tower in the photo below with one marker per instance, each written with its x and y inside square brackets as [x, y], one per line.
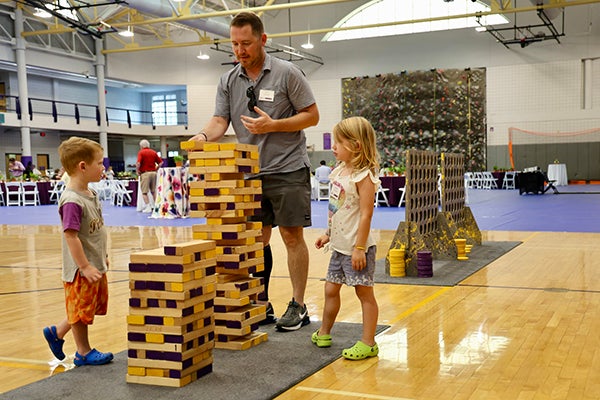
[226, 200]
[171, 323]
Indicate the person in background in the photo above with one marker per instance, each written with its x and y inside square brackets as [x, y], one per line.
[269, 103]
[353, 186]
[322, 173]
[15, 168]
[85, 256]
[148, 161]
[109, 173]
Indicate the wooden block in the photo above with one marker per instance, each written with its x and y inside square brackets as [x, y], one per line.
[241, 271]
[224, 169]
[224, 206]
[237, 293]
[157, 256]
[223, 176]
[243, 313]
[196, 328]
[221, 301]
[232, 265]
[222, 213]
[256, 247]
[204, 340]
[186, 376]
[190, 247]
[192, 306]
[241, 343]
[220, 184]
[239, 284]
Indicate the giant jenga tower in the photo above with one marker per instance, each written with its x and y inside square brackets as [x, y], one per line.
[226, 200]
[171, 318]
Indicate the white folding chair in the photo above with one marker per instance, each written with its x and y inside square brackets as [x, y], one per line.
[30, 194]
[57, 189]
[120, 194]
[469, 180]
[509, 180]
[402, 191]
[13, 193]
[489, 182]
[323, 191]
[381, 197]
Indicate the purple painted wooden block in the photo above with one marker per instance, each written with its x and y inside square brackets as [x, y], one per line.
[156, 267]
[137, 267]
[139, 285]
[174, 268]
[153, 320]
[133, 302]
[136, 337]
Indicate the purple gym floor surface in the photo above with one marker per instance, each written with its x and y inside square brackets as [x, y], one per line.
[575, 209]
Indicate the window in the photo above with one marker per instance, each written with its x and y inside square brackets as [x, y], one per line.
[389, 11]
[164, 109]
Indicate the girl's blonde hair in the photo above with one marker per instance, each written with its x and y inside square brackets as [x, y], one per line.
[360, 137]
[76, 149]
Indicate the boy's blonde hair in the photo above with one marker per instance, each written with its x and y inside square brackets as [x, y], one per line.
[360, 136]
[76, 149]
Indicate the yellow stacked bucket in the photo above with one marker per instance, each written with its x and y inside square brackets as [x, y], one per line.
[397, 262]
[461, 249]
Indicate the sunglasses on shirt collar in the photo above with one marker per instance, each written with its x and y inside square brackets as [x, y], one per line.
[251, 98]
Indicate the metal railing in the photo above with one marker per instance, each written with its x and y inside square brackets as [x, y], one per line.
[79, 111]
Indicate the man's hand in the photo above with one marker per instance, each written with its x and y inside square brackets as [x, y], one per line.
[201, 137]
[260, 125]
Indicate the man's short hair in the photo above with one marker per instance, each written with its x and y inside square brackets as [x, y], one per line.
[249, 18]
[144, 144]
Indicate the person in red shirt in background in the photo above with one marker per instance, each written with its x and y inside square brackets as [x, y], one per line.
[148, 161]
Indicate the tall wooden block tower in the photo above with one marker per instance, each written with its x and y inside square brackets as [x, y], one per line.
[226, 200]
[171, 322]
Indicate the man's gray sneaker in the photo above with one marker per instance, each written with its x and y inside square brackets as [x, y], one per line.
[294, 318]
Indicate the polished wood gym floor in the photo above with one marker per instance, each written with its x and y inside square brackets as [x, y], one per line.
[527, 326]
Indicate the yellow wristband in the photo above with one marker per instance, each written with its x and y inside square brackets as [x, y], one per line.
[360, 248]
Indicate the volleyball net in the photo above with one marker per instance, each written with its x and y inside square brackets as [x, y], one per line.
[517, 136]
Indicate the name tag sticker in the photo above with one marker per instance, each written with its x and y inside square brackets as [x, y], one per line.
[266, 95]
[335, 192]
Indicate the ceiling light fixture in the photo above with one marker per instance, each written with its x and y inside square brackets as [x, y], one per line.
[127, 33]
[202, 56]
[308, 45]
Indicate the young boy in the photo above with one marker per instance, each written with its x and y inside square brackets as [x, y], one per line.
[85, 259]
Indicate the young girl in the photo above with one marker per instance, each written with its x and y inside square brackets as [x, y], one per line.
[351, 198]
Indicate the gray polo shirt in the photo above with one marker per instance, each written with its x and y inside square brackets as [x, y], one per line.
[281, 90]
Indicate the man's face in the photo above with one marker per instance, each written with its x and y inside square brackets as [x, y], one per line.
[248, 48]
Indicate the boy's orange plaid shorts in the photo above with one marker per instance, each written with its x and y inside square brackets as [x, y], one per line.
[85, 300]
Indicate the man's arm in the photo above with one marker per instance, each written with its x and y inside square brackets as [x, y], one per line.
[213, 130]
[306, 117]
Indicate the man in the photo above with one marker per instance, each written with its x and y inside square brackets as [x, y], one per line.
[269, 102]
[148, 162]
[322, 173]
[15, 168]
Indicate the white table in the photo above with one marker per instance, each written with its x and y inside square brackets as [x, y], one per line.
[558, 173]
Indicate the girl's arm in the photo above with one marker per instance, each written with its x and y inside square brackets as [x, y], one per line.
[88, 271]
[366, 194]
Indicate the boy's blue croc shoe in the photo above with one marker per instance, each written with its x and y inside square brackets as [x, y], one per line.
[94, 357]
[56, 344]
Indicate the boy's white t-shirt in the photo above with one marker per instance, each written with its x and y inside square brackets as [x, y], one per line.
[344, 209]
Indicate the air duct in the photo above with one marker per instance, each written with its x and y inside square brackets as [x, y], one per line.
[164, 10]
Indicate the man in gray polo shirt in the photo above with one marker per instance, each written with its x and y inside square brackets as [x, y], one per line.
[269, 102]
